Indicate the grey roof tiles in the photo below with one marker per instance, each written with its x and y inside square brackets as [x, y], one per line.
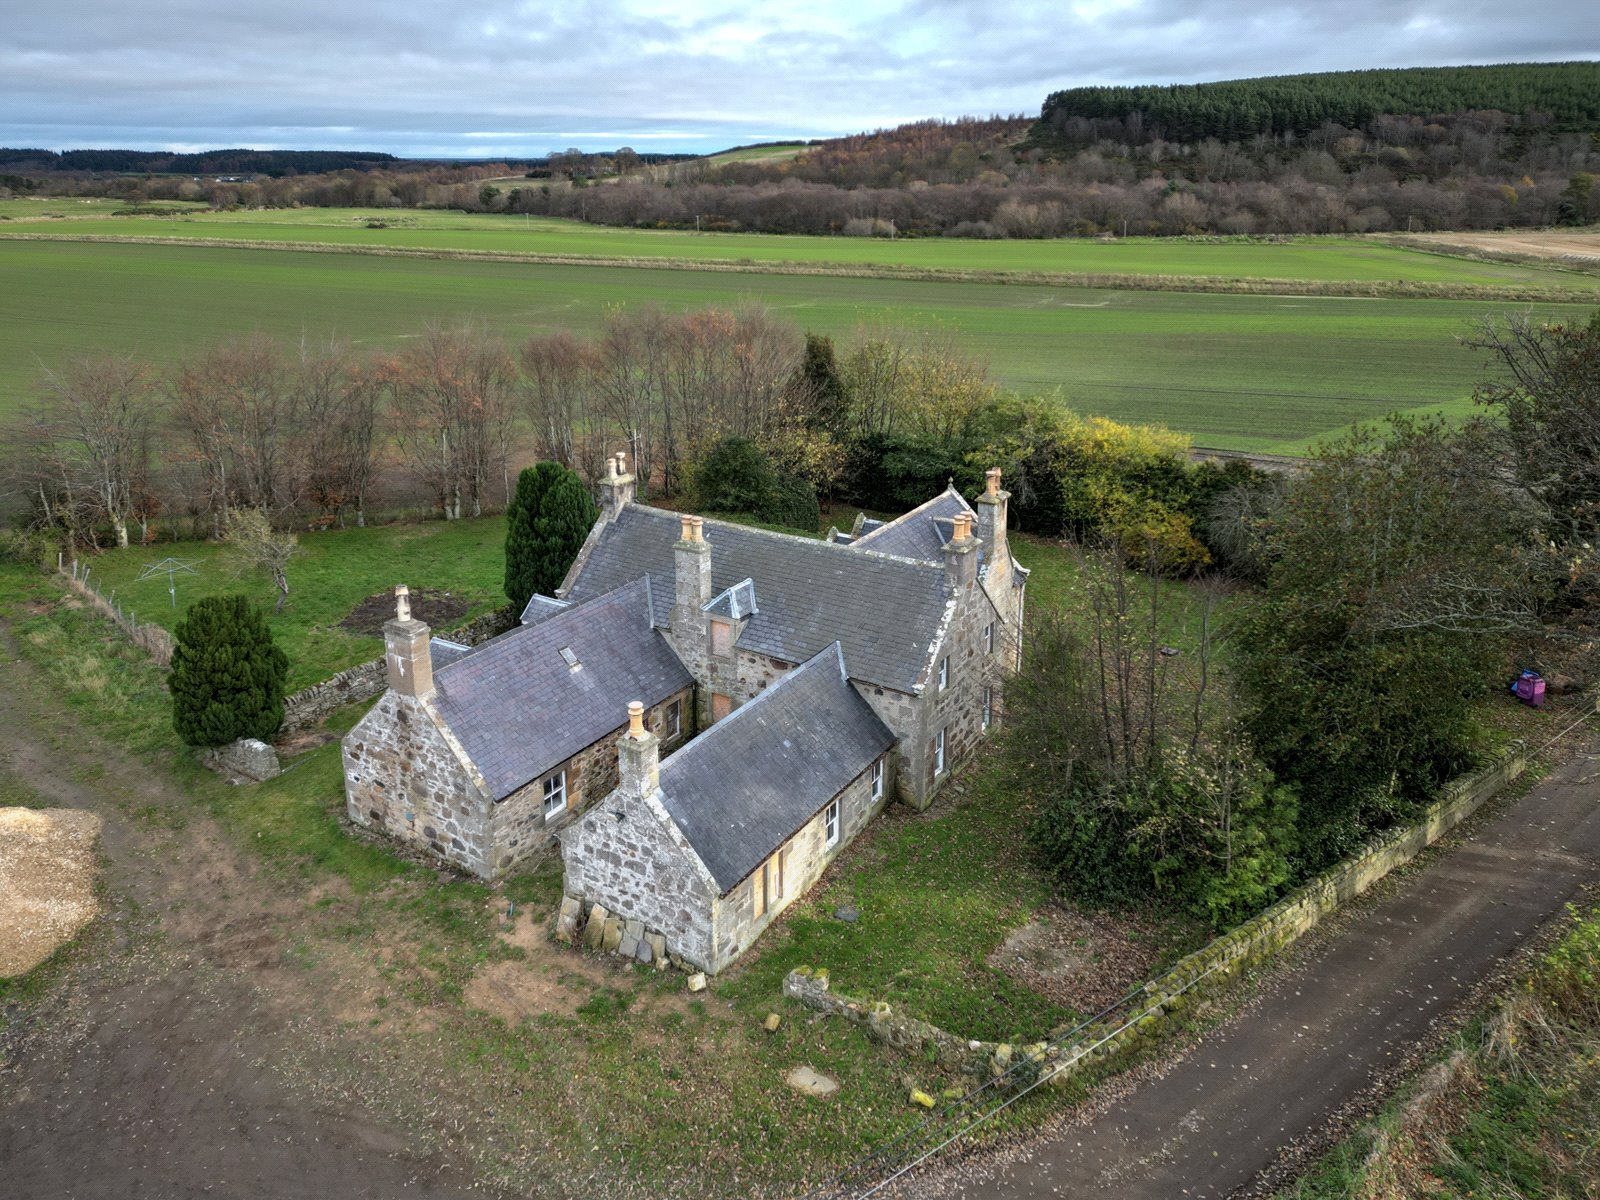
[751, 781]
[886, 612]
[519, 709]
[920, 533]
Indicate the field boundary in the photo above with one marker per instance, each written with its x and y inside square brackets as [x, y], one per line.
[1093, 281]
[1015, 1071]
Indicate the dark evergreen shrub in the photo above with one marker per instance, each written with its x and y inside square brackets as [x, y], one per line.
[227, 678]
[546, 522]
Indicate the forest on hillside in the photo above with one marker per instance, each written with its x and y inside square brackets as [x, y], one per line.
[1513, 146]
[1537, 96]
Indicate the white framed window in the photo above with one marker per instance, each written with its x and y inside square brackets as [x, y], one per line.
[944, 672]
[988, 706]
[830, 826]
[938, 754]
[877, 780]
[555, 794]
[672, 720]
[988, 638]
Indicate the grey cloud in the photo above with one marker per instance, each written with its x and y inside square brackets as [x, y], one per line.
[415, 76]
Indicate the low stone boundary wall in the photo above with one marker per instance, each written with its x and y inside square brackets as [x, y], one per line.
[1144, 1010]
[310, 705]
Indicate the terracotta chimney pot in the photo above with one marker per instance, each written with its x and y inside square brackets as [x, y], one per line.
[991, 481]
[635, 719]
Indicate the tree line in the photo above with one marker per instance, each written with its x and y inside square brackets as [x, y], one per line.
[1393, 587]
[1540, 95]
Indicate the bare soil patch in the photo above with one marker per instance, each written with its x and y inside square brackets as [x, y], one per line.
[47, 873]
[1080, 960]
[1578, 248]
[437, 608]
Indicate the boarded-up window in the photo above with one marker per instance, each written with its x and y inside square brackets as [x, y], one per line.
[721, 638]
[721, 706]
[758, 892]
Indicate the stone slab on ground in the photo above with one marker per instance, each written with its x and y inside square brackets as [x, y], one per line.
[47, 872]
[1325, 1030]
[811, 1082]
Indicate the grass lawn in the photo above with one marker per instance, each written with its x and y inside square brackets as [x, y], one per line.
[1313, 259]
[604, 1068]
[1267, 373]
[338, 569]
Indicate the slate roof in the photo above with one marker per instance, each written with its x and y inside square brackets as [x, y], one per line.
[540, 608]
[519, 710]
[750, 782]
[444, 652]
[886, 612]
[920, 533]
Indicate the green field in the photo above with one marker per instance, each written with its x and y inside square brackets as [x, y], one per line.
[1248, 372]
[1315, 260]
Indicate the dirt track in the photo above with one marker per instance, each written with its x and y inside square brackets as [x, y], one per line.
[148, 1073]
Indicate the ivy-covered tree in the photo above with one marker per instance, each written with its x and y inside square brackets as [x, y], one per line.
[227, 678]
[548, 517]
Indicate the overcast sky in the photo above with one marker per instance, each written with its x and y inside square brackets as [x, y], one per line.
[490, 78]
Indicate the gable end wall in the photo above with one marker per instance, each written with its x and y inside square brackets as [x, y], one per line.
[403, 778]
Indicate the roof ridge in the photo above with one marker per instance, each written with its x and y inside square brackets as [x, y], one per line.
[789, 675]
[851, 548]
[950, 490]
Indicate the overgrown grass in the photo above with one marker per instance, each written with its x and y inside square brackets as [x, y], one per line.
[1511, 1110]
[338, 569]
[1248, 372]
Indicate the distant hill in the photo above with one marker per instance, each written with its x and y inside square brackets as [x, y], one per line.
[1556, 96]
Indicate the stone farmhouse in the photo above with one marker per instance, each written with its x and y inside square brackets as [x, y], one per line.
[704, 714]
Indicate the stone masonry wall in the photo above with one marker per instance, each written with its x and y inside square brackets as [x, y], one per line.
[1207, 968]
[310, 705]
[403, 778]
[899, 711]
[517, 824]
[737, 926]
[640, 869]
[957, 708]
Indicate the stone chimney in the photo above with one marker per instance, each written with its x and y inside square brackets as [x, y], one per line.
[638, 756]
[992, 508]
[961, 553]
[405, 649]
[616, 488]
[692, 556]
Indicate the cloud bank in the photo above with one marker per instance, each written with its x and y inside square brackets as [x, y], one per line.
[517, 78]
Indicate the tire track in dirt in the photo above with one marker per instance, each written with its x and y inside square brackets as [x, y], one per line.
[148, 1070]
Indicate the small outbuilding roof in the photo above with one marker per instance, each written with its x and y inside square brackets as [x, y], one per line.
[525, 702]
[751, 781]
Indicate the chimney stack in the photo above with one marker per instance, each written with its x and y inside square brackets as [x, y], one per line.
[961, 553]
[617, 486]
[992, 508]
[406, 650]
[638, 756]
